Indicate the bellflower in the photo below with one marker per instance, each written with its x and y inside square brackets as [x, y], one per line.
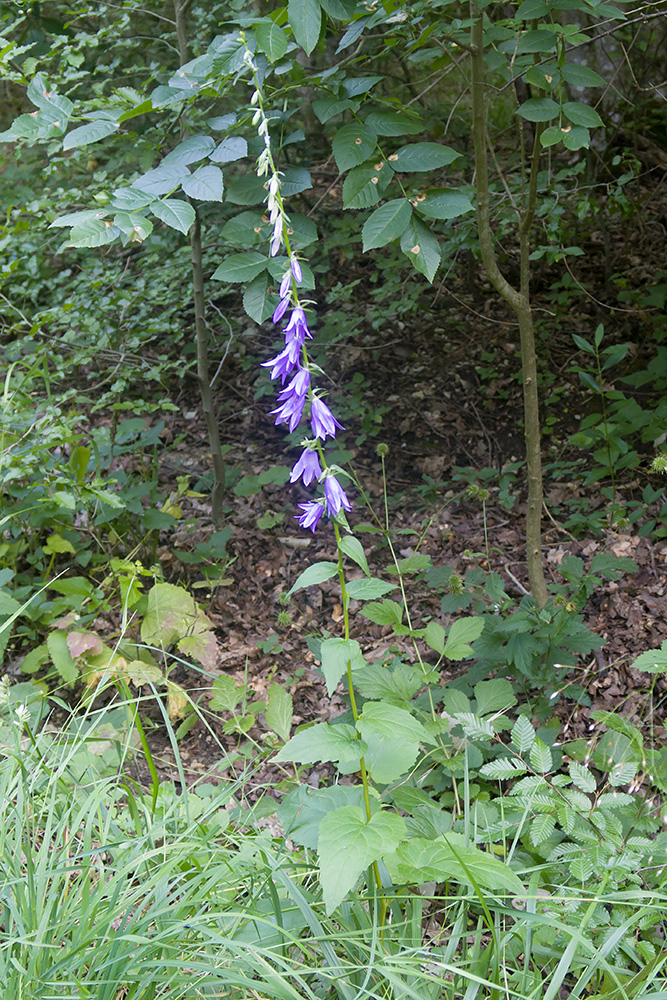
[335, 496]
[290, 412]
[298, 386]
[295, 267]
[307, 467]
[285, 284]
[297, 327]
[285, 362]
[281, 308]
[322, 420]
[312, 512]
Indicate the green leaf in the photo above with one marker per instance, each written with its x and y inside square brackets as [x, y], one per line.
[386, 223]
[272, 40]
[582, 114]
[259, 298]
[581, 76]
[383, 612]
[136, 227]
[205, 184]
[393, 123]
[523, 734]
[247, 228]
[278, 714]
[443, 204]
[323, 743]
[240, 267]
[246, 190]
[93, 233]
[539, 40]
[174, 213]
[582, 777]
[654, 661]
[368, 590]
[422, 156]
[494, 696]
[541, 828]
[348, 844]
[364, 186]
[532, 10]
[578, 137]
[303, 809]
[539, 109]
[77, 218]
[447, 858]
[61, 657]
[421, 248]
[434, 636]
[172, 615]
[85, 134]
[335, 655]
[541, 759]
[551, 136]
[352, 547]
[233, 148]
[226, 694]
[391, 722]
[502, 770]
[462, 632]
[295, 180]
[305, 18]
[352, 145]
[197, 147]
[315, 574]
[162, 180]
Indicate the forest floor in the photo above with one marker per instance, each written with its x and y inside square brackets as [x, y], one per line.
[451, 402]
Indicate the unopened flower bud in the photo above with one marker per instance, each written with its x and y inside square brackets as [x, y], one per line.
[382, 450]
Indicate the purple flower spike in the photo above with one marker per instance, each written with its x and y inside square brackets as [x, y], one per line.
[285, 284]
[322, 420]
[296, 270]
[285, 362]
[312, 512]
[281, 309]
[290, 412]
[297, 327]
[306, 468]
[335, 496]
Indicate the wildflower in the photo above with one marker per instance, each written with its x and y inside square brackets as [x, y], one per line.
[281, 309]
[307, 467]
[297, 327]
[285, 362]
[22, 714]
[298, 386]
[290, 411]
[335, 496]
[295, 268]
[285, 284]
[312, 512]
[322, 420]
[277, 239]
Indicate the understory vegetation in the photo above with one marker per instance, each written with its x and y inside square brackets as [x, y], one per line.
[333, 455]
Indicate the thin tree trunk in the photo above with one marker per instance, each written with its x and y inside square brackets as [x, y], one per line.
[201, 329]
[518, 299]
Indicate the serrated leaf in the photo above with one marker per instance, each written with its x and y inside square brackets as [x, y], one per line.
[162, 180]
[434, 636]
[389, 721]
[538, 40]
[295, 180]
[77, 218]
[383, 612]
[303, 809]
[448, 858]
[131, 200]
[421, 248]
[422, 156]
[317, 573]
[393, 123]
[226, 694]
[174, 213]
[305, 18]
[271, 39]
[386, 223]
[205, 184]
[93, 233]
[462, 632]
[364, 185]
[85, 134]
[352, 547]
[136, 227]
[197, 147]
[278, 714]
[474, 726]
[541, 759]
[582, 777]
[494, 696]
[335, 654]
[259, 297]
[323, 743]
[653, 661]
[233, 148]
[246, 190]
[368, 590]
[352, 145]
[240, 267]
[523, 734]
[445, 205]
[541, 828]
[348, 844]
[502, 770]
[582, 114]
[580, 76]
[538, 109]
